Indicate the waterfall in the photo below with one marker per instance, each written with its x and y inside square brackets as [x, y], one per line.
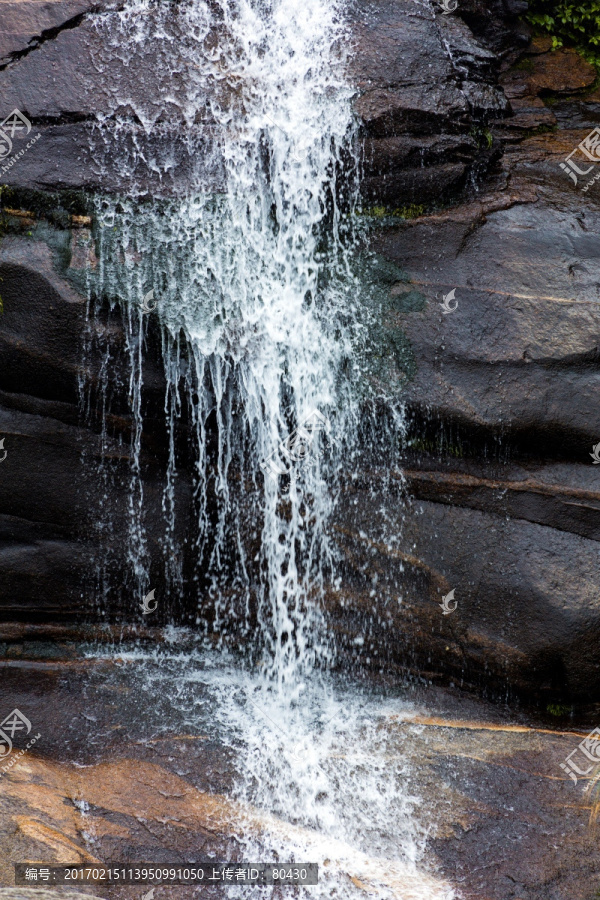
[251, 286]
[262, 319]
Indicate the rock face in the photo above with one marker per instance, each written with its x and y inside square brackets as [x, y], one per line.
[462, 119]
[426, 89]
[501, 410]
[66, 77]
[105, 786]
[52, 481]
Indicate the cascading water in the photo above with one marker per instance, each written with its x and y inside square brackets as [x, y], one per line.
[257, 311]
[249, 300]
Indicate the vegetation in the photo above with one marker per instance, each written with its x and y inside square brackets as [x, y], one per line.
[483, 136]
[401, 212]
[439, 446]
[569, 24]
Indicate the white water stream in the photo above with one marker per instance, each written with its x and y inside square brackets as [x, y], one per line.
[323, 779]
[259, 313]
[250, 285]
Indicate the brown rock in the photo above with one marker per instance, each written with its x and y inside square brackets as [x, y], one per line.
[539, 44]
[528, 113]
[165, 812]
[560, 72]
[486, 777]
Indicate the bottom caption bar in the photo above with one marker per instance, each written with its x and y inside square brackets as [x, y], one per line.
[213, 873]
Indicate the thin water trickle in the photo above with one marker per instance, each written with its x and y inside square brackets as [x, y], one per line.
[259, 313]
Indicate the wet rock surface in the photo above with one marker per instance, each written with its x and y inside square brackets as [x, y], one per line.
[51, 486]
[499, 499]
[27, 24]
[518, 617]
[502, 405]
[419, 75]
[69, 77]
[110, 780]
[424, 85]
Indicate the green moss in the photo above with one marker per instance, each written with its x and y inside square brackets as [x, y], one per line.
[440, 446]
[383, 271]
[541, 129]
[382, 360]
[411, 301]
[558, 709]
[55, 206]
[525, 65]
[569, 24]
[483, 136]
[412, 211]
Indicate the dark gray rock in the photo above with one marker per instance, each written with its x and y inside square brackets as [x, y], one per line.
[81, 72]
[520, 352]
[418, 73]
[424, 81]
[508, 544]
[62, 481]
[502, 421]
[79, 156]
[78, 76]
